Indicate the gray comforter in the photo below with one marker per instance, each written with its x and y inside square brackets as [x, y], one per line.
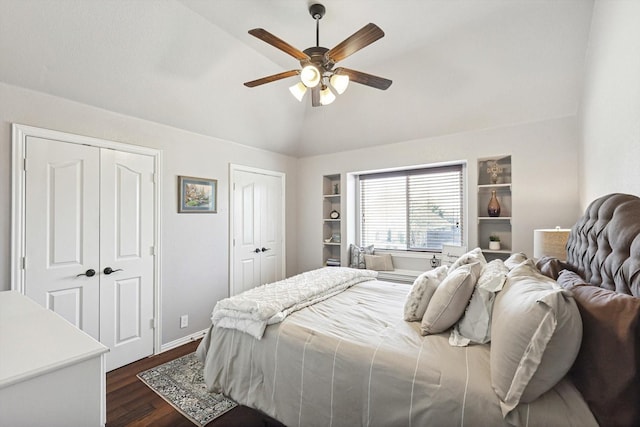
[352, 361]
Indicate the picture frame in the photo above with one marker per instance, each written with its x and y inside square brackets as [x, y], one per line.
[197, 195]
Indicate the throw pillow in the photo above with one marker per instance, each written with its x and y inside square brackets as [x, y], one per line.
[535, 336]
[356, 259]
[421, 292]
[515, 259]
[475, 325]
[382, 262]
[551, 267]
[450, 299]
[470, 257]
[607, 369]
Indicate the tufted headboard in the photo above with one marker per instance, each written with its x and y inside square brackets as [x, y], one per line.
[604, 245]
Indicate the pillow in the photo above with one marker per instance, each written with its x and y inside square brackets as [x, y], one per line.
[450, 299]
[535, 336]
[475, 325]
[378, 262]
[515, 259]
[606, 371]
[421, 292]
[356, 259]
[551, 267]
[469, 258]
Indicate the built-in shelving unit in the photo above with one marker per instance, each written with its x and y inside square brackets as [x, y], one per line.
[494, 174]
[331, 221]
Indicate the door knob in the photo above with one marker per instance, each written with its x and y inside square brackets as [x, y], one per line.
[89, 273]
[257, 250]
[109, 270]
[266, 249]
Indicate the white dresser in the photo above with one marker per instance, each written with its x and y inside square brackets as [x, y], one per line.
[51, 373]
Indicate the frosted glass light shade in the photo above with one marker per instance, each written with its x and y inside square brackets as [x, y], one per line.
[310, 76]
[551, 242]
[326, 96]
[340, 82]
[298, 90]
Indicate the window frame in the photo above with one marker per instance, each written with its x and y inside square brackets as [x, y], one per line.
[409, 170]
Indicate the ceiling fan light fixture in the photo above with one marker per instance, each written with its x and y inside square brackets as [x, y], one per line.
[339, 82]
[310, 75]
[326, 96]
[298, 90]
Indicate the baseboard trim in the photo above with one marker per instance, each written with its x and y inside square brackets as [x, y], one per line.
[181, 341]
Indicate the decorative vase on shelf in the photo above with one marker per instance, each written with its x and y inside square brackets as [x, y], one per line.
[494, 206]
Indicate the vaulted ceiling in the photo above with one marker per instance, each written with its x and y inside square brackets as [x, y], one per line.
[456, 65]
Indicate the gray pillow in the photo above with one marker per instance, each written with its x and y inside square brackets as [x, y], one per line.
[450, 299]
[356, 259]
[536, 333]
[421, 292]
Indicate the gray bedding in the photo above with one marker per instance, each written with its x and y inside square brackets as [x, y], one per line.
[352, 361]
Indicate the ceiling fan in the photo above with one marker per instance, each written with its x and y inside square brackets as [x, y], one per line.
[317, 72]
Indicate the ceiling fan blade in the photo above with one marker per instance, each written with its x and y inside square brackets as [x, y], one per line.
[272, 78]
[315, 96]
[278, 43]
[361, 38]
[364, 78]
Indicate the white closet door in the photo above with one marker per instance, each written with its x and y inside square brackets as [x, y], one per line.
[246, 235]
[62, 230]
[270, 228]
[126, 256]
[89, 239]
[257, 232]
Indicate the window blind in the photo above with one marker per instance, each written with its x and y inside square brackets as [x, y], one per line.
[418, 209]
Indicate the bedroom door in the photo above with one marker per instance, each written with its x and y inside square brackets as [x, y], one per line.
[89, 241]
[257, 219]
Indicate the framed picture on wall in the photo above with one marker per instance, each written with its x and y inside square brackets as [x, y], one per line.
[197, 195]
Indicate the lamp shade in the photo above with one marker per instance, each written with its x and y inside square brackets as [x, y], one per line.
[310, 76]
[298, 90]
[340, 82]
[551, 242]
[326, 96]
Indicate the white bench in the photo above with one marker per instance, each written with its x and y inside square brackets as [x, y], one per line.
[409, 265]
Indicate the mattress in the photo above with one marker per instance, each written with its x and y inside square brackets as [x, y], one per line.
[352, 360]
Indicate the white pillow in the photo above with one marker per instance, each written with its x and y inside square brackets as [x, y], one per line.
[450, 299]
[515, 259]
[536, 333]
[475, 325]
[421, 292]
[382, 262]
[470, 257]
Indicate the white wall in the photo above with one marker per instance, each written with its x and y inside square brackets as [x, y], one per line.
[545, 177]
[195, 247]
[610, 112]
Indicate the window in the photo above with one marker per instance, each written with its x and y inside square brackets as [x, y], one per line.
[416, 210]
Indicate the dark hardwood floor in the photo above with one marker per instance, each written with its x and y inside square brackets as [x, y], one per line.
[131, 403]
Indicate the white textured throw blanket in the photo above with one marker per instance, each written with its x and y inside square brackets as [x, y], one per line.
[252, 310]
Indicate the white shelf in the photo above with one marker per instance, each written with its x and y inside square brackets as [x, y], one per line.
[495, 225]
[489, 186]
[331, 201]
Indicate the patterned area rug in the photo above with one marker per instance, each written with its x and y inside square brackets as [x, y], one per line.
[180, 382]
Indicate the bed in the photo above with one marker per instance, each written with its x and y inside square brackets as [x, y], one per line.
[349, 358]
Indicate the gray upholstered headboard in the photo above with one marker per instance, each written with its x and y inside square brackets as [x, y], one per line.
[604, 245]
